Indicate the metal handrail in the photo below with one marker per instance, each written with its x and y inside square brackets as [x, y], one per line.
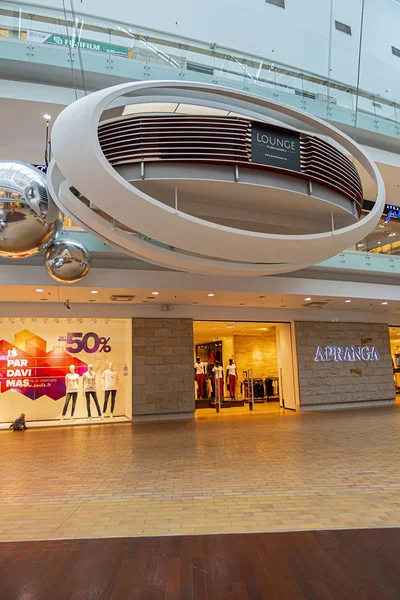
[238, 61]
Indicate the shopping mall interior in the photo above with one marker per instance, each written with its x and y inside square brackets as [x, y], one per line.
[199, 301]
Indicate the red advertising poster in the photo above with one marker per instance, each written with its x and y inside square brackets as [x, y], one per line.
[35, 359]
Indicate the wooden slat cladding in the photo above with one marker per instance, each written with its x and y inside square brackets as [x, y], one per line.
[220, 140]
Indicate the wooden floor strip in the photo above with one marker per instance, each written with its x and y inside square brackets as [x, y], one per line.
[323, 565]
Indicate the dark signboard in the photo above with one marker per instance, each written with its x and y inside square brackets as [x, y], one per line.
[275, 147]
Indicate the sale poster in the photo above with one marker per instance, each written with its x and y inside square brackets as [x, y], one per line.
[36, 355]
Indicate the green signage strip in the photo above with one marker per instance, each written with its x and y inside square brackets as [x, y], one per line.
[55, 39]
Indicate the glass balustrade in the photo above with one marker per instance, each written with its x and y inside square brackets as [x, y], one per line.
[135, 52]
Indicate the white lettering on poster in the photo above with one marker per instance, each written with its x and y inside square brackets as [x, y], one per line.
[275, 141]
[346, 354]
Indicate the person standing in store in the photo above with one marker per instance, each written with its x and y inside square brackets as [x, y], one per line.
[231, 379]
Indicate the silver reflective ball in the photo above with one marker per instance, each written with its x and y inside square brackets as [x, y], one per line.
[27, 214]
[67, 261]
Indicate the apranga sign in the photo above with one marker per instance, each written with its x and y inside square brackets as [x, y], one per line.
[346, 354]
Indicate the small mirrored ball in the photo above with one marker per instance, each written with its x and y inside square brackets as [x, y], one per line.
[67, 261]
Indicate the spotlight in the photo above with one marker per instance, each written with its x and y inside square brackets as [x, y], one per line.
[47, 117]
[66, 304]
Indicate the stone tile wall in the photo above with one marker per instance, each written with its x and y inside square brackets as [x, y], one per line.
[162, 370]
[258, 353]
[336, 382]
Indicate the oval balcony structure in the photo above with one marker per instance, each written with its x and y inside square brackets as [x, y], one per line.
[212, 180]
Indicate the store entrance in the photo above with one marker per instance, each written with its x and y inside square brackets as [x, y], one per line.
[241, 366]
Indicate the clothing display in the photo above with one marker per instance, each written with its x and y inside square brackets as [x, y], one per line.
[267, 388]
[219, 378]
[200, 384]
[106, 397]
[232, 386]
[209, 353]
[94, 396]
[89, 381]
[71, 382]
[199, 368]
[110, 380]
[231, 377]
[70, 395]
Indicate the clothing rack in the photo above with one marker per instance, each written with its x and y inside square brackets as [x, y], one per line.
[264, 388]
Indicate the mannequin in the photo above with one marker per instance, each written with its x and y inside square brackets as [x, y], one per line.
[89, 387]
[110, 386]
[219, 380]
[199, 376]
[71, 386]
[231, 378]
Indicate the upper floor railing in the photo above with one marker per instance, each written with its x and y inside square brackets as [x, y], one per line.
[134, 52]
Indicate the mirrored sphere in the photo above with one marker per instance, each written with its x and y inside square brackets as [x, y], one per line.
[27, 214]
[67, 261]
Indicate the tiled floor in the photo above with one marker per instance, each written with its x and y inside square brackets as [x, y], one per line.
[216, 474]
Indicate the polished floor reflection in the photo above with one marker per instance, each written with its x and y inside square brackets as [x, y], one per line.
[320, 565]
[256, 473]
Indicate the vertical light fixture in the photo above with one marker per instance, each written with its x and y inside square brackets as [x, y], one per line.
[47, 146]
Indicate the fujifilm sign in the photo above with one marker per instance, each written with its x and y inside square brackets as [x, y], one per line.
[346, 354]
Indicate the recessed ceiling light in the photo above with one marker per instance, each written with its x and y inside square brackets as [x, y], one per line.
[47, 117]
[94, 292]
[347, 300]
[385, 302]
[155, 293]
[39, 290]
[211, 295]
[307, 299]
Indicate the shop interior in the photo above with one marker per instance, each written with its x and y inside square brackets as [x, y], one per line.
[242, 353]
[385, 238]
[394, 333]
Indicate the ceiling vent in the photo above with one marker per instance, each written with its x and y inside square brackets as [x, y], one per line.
[321, 304]
[121, 298]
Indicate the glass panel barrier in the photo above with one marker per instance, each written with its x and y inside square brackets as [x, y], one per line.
[121, 48]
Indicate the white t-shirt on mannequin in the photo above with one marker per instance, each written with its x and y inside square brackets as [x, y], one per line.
[72, 382]
[89, 381]
[110, 380]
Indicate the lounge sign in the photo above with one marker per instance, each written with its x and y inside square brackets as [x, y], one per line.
[275, 147]
[346, 354]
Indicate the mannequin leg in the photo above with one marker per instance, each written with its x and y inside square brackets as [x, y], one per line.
[113, 396]
[74, 397]
[106, 396]
[96, 401]
[87, 394]
[66, 403]
[221, 388]
[200, 384]
[232, 386]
